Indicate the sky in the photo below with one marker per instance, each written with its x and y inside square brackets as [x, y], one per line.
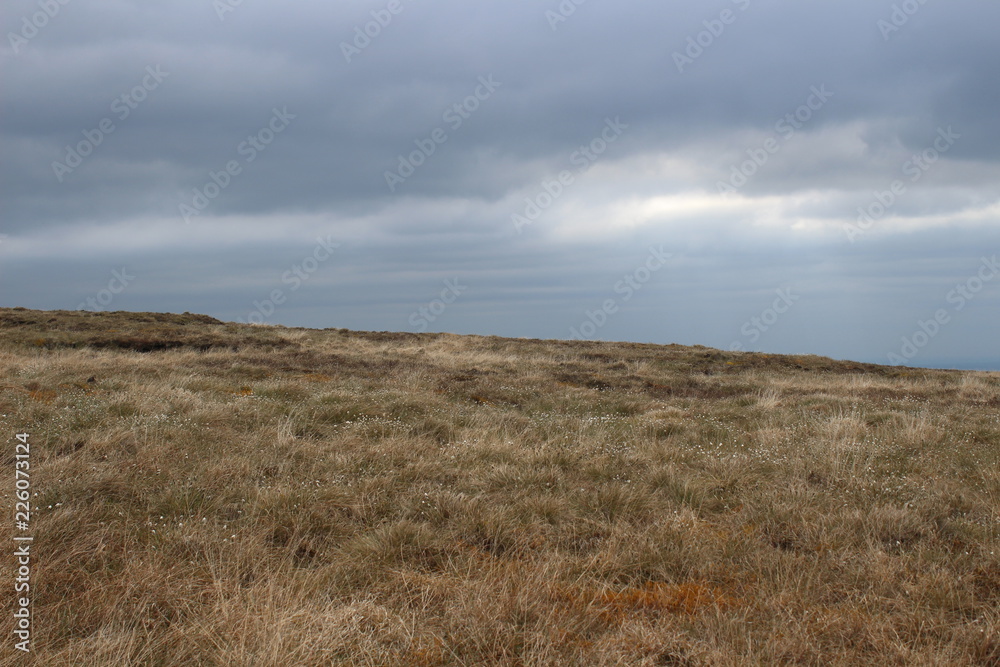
[788, 177]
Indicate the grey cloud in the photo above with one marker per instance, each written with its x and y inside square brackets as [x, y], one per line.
[326, 171]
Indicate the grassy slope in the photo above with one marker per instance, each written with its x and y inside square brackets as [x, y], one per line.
[234, 495]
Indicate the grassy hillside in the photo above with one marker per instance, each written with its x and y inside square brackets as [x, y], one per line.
[218, 494]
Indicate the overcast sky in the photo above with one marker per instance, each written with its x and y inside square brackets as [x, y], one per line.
[793, 177]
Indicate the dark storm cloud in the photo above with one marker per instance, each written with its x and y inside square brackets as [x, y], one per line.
[353, 119]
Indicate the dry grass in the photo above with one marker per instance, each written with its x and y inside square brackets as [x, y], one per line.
[218, 494]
